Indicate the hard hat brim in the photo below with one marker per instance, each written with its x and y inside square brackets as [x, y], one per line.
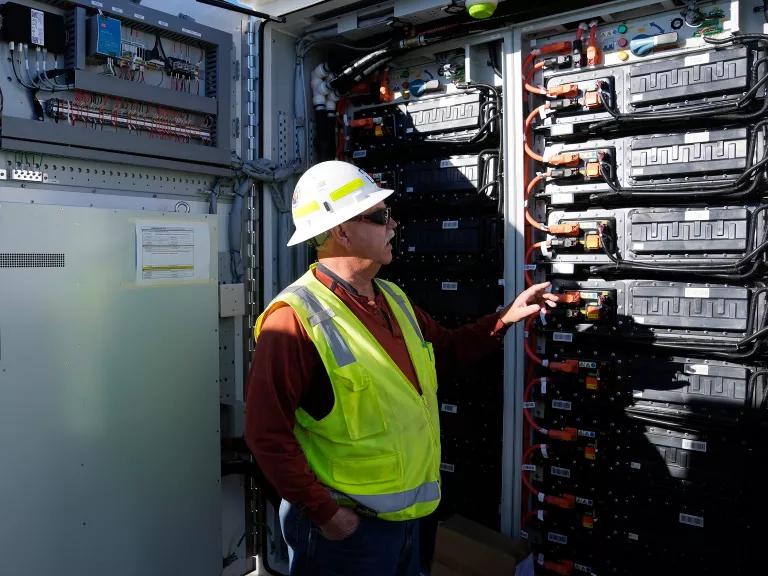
[340, 217]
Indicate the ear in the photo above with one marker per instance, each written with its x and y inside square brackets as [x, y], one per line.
[339, 234]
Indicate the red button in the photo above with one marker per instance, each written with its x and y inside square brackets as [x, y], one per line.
[622, 42]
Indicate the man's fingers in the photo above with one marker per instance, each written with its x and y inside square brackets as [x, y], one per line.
[530, 310]
[550, 296]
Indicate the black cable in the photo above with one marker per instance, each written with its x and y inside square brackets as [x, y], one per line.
[718, 111]
[690, 190]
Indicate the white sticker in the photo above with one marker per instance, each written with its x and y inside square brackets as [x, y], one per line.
[450, 408]
[529, 467]
[584, 501]
[562, 337]
[408, 130]
[697, 445]
[692, 520]
[561, 130]
[543, 386]
[449, 286]
[696, 137]
[563, 268]
[97, 4]
[447, 163]
[697, 59]
[540, 515]
[561, 472]
[523, 534]
[587, 433]
[411, 248]
[501, 282]
[557, 538]
[562, 198]
[561, 404]
[633, 536]
[697, 292]
[450, 224]
[117, 10]
[696, 215]
[529, 267]
[637, 97]
[638, 246]
[359, 153]
[529, 405]
[701, 369]
[637, 393]
[639, 319]
[637, 171]
[409, 189]
[545, 451]
[635, 465]
[163, 23]
[138, 16]
[541, 496]
[584, 364]
[540, 559]
[582, 568]
[589, 296]
[38, 27]
[192, 32]
[447, 467]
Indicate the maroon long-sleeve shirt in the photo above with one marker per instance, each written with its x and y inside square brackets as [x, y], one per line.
[287, 373]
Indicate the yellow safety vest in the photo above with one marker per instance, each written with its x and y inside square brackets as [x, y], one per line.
[379, 447]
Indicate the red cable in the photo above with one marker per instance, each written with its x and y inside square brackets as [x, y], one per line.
[528, 254]
[529, 78]
[528, 123]
[528, 216]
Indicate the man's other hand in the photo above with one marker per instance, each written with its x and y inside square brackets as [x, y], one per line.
[341, 525]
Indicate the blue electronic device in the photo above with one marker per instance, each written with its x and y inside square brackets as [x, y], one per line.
[104, 36]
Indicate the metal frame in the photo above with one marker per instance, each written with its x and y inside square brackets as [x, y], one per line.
[25, 134]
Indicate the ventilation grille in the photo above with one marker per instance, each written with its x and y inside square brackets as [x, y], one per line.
[21, 260]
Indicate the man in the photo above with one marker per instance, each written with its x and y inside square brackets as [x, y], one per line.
[342, 412]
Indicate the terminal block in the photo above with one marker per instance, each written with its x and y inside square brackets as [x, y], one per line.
[585, 306]
[580, 236]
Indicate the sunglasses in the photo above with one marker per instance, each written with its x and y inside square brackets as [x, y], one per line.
[380, 216]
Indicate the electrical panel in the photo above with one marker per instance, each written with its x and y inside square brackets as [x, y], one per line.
[645, 404]
[117, 83]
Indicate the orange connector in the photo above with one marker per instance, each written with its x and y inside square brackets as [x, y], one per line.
[565, 230]
[592, 99]
[564, 159]
[564, 91]
[362, 123]
[566, 501]
[570, 297]
[566, 434]
[562, 567]
[566, 366]
[563, 47]
[592, 170]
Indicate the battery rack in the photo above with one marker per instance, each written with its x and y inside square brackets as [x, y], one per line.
[115, 82]
[434, 136]
[645, 405]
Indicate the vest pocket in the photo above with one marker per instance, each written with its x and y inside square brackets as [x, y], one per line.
[372, 470]
[359, 404]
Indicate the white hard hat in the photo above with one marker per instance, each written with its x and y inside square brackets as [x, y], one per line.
[328, 194]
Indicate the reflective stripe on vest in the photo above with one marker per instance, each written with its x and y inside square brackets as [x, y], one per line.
[400, 302]
[383, 503]
[323, 316]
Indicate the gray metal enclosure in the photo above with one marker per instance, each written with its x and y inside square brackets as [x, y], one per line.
[109, 420]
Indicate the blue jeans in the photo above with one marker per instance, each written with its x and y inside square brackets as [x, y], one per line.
[376, 548]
